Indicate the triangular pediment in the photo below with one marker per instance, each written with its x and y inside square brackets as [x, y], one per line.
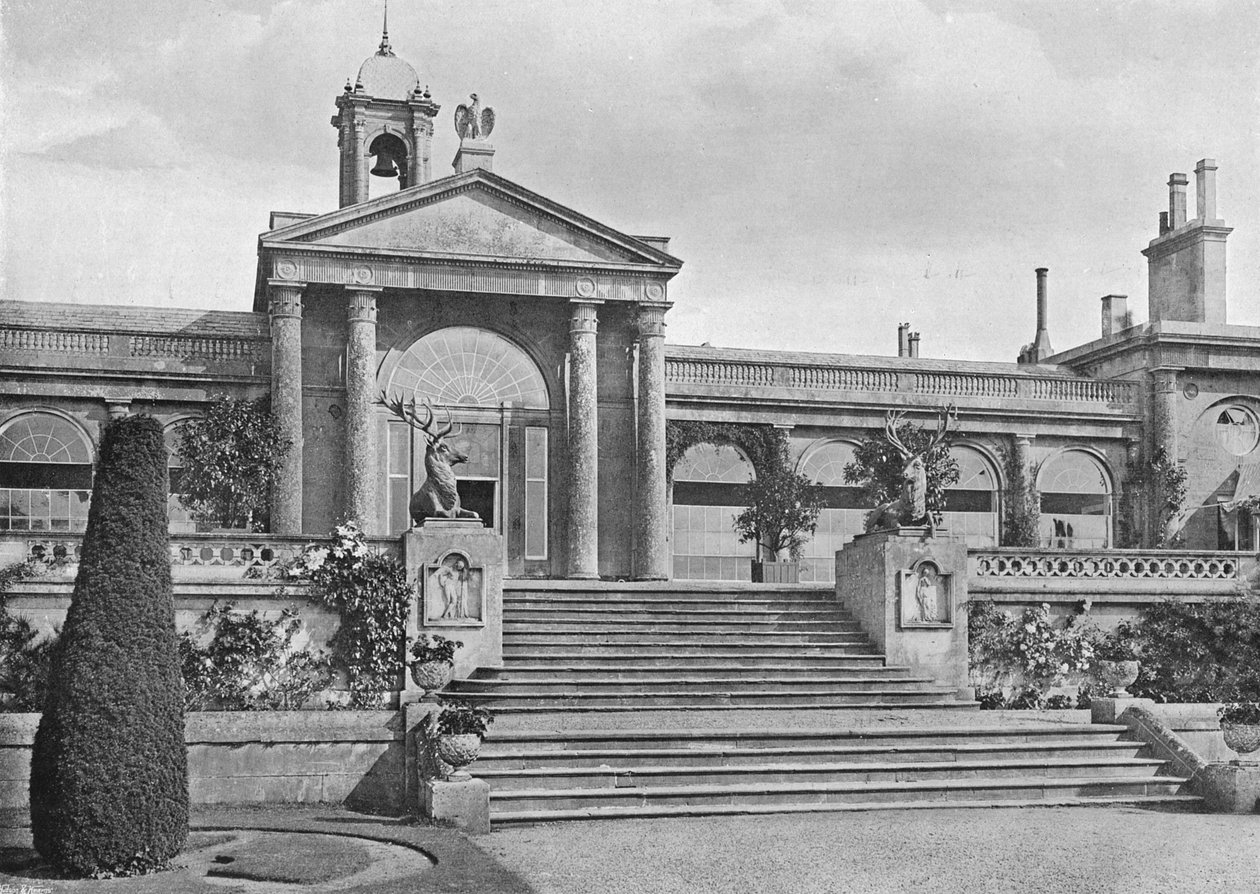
[476, 215]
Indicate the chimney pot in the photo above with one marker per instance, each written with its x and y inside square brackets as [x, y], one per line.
[1177, 200]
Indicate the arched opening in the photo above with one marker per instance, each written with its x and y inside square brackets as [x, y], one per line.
[498, 398]
[1075, 502]
[45, 474]
[389, 167]
[844, 513]
[179, 519]
[707, 486]
[971, 505]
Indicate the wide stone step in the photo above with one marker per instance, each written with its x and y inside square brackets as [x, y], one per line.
[789, 773]
[658, 655]
[504, 757]
[577, 686]
[580, 715]
[758, 626]
[676, 591]
[1177, 803]
[665, 602]
[780, 697]
[830, 733]
[537, 633]
[726, 620]
[833, 792]
[779, 671]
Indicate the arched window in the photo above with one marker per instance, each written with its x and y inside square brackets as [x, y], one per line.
[1075, 501]
[971, 504]
[462, 366]
[179, 519]
[844, 513]
[45, 474]
[708, 482]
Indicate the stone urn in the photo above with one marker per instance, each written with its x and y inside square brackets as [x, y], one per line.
[1118, 675]
[431, 675]
[1243, 738]
[459, 750]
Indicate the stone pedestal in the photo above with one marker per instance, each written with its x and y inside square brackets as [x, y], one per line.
[462, 803]
[1108, 710]
[908, 591]
[1231, 788]
[456, 567]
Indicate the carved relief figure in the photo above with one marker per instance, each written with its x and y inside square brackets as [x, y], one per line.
[927, 594]
[452, 581]
[911, 507]
[437, 496]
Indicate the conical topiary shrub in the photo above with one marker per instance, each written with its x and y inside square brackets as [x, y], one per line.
[109, 780]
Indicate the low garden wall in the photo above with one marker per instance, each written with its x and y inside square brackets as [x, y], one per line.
[245, 757]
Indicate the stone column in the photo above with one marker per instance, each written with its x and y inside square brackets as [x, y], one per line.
[1164, 410]
[284, 300]
[652, 559]
[361, 458]
[583, 443]
[1023, 461]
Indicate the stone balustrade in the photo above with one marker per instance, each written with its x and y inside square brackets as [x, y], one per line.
[54, 340]
[1172, 565]
[217, 350]
[688, 371]
[212, 349]
[246, 552]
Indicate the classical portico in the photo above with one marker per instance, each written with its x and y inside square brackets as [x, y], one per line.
[474, 259]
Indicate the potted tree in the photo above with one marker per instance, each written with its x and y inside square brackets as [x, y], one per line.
[781, 517]
[433, 662]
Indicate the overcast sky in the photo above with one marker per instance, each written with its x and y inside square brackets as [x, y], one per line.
[825, 169]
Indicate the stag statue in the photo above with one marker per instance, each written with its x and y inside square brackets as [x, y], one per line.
[911, 507]
[437, 496]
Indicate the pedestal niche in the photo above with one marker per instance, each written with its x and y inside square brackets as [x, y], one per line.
[908, 590]
[456, 569]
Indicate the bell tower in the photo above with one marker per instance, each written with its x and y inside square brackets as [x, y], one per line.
[384, 124]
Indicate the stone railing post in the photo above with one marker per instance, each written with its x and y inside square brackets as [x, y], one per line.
[583, 443]
[361, 460]
[284, 302]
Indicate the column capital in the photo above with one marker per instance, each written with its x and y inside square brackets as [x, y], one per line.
[1165, 377]
[118, 406]
[582, 316]
[361, 303]
[1024, 438]
[651, 320]
[284, 298]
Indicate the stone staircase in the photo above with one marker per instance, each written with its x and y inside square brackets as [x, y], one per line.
[643, 700]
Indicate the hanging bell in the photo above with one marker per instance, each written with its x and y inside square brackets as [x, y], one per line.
[385, 165]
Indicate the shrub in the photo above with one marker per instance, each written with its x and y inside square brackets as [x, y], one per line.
[249, 663]
[878, 466]
[458, 717]
[371, 594]
[230, 459]
[109, 784]
[782, 510]
[1016, 663]
[435, 648]
[25, 664]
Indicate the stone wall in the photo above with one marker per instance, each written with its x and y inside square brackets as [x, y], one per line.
[307, 757]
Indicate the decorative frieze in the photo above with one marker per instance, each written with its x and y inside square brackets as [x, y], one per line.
[1112, 565]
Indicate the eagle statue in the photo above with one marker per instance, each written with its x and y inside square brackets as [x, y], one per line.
[472, 122]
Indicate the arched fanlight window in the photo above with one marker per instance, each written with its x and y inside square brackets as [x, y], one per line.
[469, 367]
[845, 512]
[1075, 501]
[714, 464]
[971, 504]
[708, 492]
[45, 474]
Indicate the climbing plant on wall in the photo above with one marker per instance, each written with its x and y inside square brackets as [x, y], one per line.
[760, 443]
[1021, 507]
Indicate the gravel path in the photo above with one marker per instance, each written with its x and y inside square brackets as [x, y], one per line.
[1043, 850]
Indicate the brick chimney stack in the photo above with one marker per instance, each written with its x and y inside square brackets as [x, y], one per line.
[1041, 343]
[1205, 189]
[914, 344]
[903, 340]
[1177, 200]
[1115, 314]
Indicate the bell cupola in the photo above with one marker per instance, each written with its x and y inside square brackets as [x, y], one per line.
[384, 124]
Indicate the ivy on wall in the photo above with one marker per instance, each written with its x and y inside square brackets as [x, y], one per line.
[762, 444]
[1021, 520]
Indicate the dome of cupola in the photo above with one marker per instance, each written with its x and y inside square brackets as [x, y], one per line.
[384, 75]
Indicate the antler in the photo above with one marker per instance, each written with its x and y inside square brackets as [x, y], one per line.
[943, 415]
[408, 414]
[891, 422]
[449, 423]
